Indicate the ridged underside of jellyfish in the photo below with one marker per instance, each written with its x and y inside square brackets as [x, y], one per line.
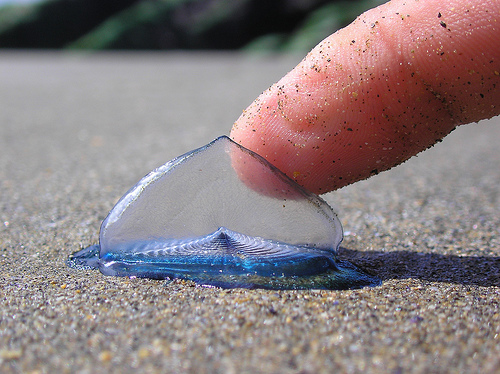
[223, 216]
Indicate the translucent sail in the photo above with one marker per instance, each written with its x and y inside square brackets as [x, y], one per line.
[223, 215]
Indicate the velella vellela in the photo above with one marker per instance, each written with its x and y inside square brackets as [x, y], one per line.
[222, 215]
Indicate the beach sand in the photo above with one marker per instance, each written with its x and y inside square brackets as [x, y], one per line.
[77, 131]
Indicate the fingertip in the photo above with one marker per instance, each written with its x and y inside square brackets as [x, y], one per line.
[376, 93]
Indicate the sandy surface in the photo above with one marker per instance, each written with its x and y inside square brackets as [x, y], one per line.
[77, 131]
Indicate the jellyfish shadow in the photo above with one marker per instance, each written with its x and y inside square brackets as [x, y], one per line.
[465, 270]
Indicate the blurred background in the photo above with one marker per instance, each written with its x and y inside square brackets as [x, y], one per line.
[251, 25]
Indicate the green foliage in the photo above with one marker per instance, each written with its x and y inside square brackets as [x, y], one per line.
[319, 24]
[12, 15]
[253, 25]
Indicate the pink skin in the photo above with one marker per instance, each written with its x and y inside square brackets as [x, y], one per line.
[389, 85]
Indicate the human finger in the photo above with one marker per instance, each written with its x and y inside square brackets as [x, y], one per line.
[391, 84]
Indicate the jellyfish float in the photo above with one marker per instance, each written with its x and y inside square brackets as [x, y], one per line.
[223, 216]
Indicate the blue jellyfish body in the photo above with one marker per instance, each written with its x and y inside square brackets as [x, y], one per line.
[222, 215]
